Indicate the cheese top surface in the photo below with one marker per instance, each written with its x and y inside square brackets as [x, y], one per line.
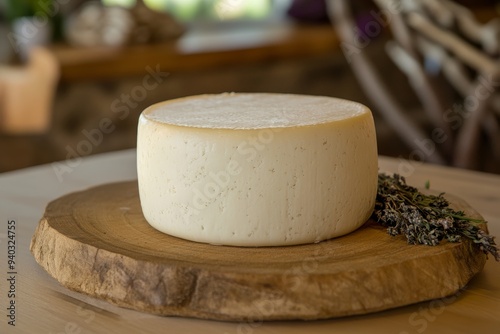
[253, 111]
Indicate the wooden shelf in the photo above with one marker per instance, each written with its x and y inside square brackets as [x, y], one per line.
[199, 49]
[208, 47]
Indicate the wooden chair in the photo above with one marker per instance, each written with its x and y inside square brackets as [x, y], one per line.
[464, 55]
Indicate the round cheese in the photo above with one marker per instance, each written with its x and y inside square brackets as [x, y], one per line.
[257, 169]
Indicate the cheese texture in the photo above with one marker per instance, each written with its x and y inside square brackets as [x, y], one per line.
[257, 169]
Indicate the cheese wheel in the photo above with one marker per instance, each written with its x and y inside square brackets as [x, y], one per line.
[257, 169]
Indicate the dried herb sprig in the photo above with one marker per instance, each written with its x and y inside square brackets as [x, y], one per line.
[425, 219]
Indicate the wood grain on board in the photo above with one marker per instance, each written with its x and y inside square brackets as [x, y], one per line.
[97, 242]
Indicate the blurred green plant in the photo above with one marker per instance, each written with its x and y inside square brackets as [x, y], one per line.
[23, 8]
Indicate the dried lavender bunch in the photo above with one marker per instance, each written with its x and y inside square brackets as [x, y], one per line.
[425, 219]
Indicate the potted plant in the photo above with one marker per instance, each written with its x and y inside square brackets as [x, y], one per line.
[31, 24]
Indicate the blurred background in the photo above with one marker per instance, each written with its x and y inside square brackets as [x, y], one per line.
[75, 74]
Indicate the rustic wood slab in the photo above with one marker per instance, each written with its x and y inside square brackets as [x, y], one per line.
[97, 242]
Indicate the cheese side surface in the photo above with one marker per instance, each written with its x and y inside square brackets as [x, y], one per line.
[257, 169]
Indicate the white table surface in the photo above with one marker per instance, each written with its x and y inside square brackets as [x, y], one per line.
[43, 306]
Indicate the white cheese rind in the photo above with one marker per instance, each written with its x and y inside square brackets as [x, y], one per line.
[263, 186]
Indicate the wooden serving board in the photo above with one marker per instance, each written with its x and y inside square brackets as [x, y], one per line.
[97, 242]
